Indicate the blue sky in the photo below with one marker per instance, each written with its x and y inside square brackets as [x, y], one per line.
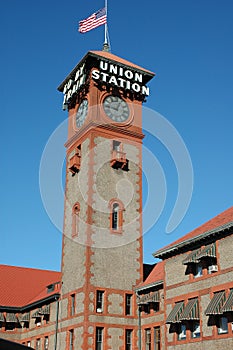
[187, 43]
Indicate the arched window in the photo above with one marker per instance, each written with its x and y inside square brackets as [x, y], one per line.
[116, 217]
[75, 219]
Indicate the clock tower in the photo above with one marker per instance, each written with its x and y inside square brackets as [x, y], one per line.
[102, 238]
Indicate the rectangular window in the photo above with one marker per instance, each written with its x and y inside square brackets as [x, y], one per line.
[37, 344]
[198, 270]
[71, 339]
[72, 304]
[50, 288]
[182, 332]
[46, 343]
[10, 326]
[128, 304]
[155, 307]
[146, 308]
[157, 338]
[223, 325]
[196, 333]
[148, 338]
[116, 146]
[99, 338]
[29, 344]
[99, 301]
[128, 339]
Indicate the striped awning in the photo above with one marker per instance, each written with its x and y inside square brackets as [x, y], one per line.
[216, 304]
[149, 298]
[2, 318]
[228, 306]
[36, 314]
[25, 317]
[174, 316]
[10, 317]
[191, 311]
[208, 252]
[192, 257]
[45, 310]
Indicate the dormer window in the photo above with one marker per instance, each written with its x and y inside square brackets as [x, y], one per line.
[50, 288]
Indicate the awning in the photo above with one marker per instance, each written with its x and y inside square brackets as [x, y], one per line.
[216, 304]
[2, 318]
[208, 252]
[228, 306]
[36, 314]
[191, 311]
[45, 310]
[10, 317]
[192, 257]
[25, 317]
[176, 312]
[149, 298]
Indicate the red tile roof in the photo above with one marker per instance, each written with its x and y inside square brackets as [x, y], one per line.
[215, 223]
[118, 59]
[22, 286]
[156, 275]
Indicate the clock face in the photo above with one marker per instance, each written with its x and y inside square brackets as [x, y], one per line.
[116, 109]
[81, 113]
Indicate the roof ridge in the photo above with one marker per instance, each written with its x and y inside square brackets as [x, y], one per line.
[28, 268]
[217, 223]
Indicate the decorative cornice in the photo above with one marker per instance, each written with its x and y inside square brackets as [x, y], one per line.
[148, 286]
[172, 250]
[24, 308]
[95, 125]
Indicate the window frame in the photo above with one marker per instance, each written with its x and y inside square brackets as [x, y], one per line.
[194, 327]
[157, 338]
[75, 219]
[198, 270]
[128, 304]
[99, 301]
[71, 339]
[72, 304]
[148, 339]
[38, 344]
[99, 336]
[182, 330]
[117, 146]
[223, 321]
[119, 226]
[128, 339]
[46, 343]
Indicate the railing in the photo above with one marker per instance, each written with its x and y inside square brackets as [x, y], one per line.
[118, 159]
[75, 163]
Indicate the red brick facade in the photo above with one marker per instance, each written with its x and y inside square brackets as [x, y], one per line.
[102, 299]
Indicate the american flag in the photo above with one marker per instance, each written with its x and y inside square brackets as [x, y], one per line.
[97, 19]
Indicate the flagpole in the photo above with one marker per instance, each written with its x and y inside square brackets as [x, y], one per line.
[106, 24]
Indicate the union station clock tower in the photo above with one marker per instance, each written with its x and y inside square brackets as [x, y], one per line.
[102, 238]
